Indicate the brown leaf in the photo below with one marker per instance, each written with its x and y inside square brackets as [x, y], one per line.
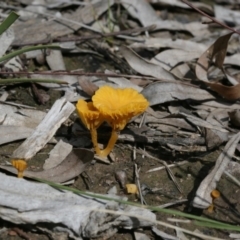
[218, 51]
[87, 86]
[73, 165]
[230, 93]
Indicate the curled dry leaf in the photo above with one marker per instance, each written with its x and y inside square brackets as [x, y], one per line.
[203, 197]
[145, 67]
[230, 93]
[218, 51]
[73, 165]
[162, 92]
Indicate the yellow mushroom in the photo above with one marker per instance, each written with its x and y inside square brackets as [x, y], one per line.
[20, 165]
[214, 194]
[91, 118]
[117, 107]
[131, 188]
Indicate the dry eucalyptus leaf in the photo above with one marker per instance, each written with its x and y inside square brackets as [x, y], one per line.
[170, 58]
[162, 92]
[182, 44]
[218, 51]
[72, 166]
[203, 197]
[57, 154]
[145, 67]
[215, 138]
[13, 133]
[230, 93]
[15, 116]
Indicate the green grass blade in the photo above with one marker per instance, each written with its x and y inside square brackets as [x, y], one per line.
[11, 18]
[31, 80]
[200, 220]
[27, 49]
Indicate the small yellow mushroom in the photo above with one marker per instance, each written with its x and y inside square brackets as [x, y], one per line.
[20, 165]
[214, 194]
[131, 188]
[117, 107]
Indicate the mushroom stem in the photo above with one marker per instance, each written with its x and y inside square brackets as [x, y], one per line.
[94, 140]
[111, 143]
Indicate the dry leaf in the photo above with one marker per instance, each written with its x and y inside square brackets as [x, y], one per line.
[162, 92]
[230, 93]
[218, 51]
[170, 58]
[145, 67]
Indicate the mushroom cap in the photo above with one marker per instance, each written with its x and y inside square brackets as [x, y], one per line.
[89, 115]
[215, 193]
[118, 106]
[19, 164]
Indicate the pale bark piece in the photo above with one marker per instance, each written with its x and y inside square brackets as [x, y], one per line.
[14, 116]
[24, 202]
[59, 112]
[203, 197]
[13, 133]
[57, 155]
[70, 167]
[162, 92]
[145, 67]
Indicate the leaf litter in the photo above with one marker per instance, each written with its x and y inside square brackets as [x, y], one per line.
[187, 70]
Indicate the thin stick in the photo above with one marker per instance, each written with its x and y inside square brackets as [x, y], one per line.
[167, 168]
[212, 18]
[138, 184]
